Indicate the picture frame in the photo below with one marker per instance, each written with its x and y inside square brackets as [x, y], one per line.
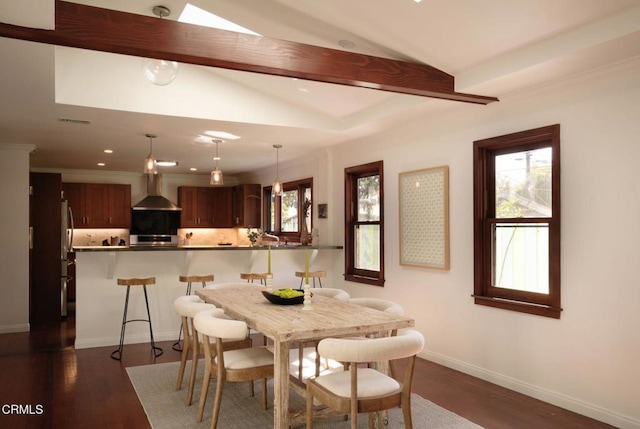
[424, 217]
[322, 211]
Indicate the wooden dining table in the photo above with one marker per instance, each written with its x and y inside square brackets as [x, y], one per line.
[287, 324]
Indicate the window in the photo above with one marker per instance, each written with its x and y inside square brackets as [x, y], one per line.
[281, 214]
[364, 224]
[517, 221]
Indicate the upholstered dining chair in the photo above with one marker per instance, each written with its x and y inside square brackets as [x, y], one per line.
[365, 390]
[307, 354]
[231, 285]
[248, 364]
[187, 307]
[382, 305]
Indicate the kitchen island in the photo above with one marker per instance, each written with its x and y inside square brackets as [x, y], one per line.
[100, 301]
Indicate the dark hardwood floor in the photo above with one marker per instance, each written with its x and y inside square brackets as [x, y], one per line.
[53, 385]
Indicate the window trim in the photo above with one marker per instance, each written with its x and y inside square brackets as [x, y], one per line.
[351, 174]
[484, 151]
[300, 186]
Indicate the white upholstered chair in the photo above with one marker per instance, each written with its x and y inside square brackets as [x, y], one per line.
[365, 390]
[338, 294]
[308, 358]
[247, 364]
[379, 304]
[187, 307]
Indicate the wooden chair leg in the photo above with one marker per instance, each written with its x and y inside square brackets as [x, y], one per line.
[216, 402]
[205, 389]
[192, 378]
[183, 360]
[195, 355]
[309, 410]
[406, 411]
[264, 393]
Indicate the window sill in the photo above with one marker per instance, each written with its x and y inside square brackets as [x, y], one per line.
[522, 307]
[362, 279]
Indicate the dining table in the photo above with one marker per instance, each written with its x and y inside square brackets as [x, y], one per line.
[322, 317]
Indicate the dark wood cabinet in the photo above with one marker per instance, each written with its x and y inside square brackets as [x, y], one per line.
[99, 205]
[247, 206]
[205, 207]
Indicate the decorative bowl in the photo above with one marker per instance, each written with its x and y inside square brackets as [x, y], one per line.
[278, 300]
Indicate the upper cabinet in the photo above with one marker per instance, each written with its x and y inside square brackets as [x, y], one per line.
[247, 206]
[205, 207]
[99, 205]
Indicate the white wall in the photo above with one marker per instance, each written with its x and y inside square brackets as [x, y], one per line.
[587, 360]
[14, 236]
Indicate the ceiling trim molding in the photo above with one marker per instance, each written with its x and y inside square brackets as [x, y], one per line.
[106, 30]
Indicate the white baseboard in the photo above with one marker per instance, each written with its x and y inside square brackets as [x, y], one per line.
[11, 329]
[551, 397]
[88, 343]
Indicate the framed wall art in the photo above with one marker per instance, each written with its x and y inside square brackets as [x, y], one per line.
[424, 218]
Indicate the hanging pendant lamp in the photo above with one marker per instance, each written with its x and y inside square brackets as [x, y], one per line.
[150, 164]
[160, 72]
[276, 189]
[216, 174]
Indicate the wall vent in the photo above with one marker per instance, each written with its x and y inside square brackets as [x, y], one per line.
[74, 121]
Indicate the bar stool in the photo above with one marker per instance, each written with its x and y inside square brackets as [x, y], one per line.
[157, 351]
[250, 277]
[195, 279]
[312, 274]
[189, 280]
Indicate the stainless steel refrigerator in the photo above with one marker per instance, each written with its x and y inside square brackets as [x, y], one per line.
[66, 247]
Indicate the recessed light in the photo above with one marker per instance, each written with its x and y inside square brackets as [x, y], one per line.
[108, 151]
[101, 164]
[193, 169]
[166, 163]
[222, 135]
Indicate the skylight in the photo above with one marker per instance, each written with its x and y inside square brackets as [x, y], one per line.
[194, 15]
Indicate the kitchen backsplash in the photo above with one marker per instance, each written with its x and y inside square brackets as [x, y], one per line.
[198, 237]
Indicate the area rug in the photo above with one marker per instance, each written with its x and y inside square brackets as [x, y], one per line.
[165, 408]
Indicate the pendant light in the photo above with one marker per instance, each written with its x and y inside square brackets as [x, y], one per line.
[216, 174]
[150, 164]
[160, 72]
[276, 189]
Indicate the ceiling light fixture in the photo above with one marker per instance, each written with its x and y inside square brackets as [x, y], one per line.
[160, 72]
[150, 164]
[216, 174]
[276, 189]
[166, 163]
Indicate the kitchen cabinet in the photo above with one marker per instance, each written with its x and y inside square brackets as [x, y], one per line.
[246, 206]
[204, 207]
[99, 205]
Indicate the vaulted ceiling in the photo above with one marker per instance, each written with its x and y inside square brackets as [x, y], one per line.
[493, 48]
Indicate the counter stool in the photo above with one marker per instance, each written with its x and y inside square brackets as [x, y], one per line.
[250, 277]
[312, 274]
[157, 351]
[189, 280]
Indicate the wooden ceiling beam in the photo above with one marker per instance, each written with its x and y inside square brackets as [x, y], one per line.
[106, 30]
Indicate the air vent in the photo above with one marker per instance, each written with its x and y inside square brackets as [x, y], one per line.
[74, 121]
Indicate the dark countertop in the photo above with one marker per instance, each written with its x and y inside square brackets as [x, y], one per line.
[194, 247]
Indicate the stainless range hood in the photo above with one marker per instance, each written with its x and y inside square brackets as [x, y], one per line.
[154, 199]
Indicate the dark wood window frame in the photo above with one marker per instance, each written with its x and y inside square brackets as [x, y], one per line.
[484, 153]
[300, 186]
[351, 176]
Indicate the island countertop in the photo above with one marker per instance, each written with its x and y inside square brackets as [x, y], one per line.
[197, 247]
[99, 299]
